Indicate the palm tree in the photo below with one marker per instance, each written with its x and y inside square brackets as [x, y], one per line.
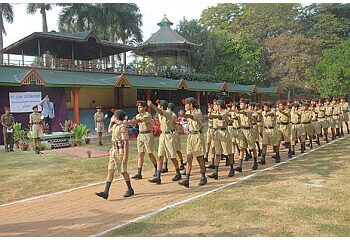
[6, 13]
[75, 17]
[33, 7]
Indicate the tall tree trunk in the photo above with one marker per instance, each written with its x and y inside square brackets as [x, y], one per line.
[288, 93]
[111, 38]
[1, 39]
[124, 58]
[43, 15]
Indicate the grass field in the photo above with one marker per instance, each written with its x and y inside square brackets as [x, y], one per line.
[24, 174]
[307, 197]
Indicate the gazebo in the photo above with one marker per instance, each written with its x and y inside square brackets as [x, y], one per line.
[167, 43]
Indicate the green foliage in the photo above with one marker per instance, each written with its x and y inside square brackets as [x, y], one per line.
[205, 58]
[18, 132]
[6, 11]
[79, 131]
[241, 60]
[332, 73]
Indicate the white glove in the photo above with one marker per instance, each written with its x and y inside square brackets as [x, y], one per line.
[106, 115]
[42, 117]
[95, 129]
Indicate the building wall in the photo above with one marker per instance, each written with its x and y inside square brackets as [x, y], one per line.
[130, 97]
[92, 97]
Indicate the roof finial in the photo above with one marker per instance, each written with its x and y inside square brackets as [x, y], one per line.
[165, 22]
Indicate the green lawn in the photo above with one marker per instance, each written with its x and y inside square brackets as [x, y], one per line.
[307, 197]
[24, 174]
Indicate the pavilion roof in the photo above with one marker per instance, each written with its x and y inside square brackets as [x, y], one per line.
[86, 45]
[62, 78]
[166, 39]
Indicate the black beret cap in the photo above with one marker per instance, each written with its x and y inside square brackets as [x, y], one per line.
[252, 104]
[120, 114]
[141, 103]
[191, 100]
[295, 105]
[290, 100]
[164, 104]
[220, 102]
[283, 102]
[171, 106]
[236, 104]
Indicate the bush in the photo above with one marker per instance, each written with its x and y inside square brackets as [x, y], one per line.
[79, 131]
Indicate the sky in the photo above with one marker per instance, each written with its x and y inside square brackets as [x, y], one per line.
[152, 13]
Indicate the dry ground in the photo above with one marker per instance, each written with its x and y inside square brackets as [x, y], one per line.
[308, 197]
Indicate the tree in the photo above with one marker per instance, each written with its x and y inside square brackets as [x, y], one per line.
[205, 59]
[6, 14]
[332, 72]
[76, 17]
[288, 60]
[327, 22]
[33, 7]
[240, 60]
[221, 17]
[260, 21]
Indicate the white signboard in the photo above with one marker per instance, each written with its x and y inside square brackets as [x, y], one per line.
[21, 102]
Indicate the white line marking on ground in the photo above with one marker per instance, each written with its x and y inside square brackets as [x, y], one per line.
[156, 212]
[54, 194]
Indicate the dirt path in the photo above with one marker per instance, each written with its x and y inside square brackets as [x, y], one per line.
[81, 213]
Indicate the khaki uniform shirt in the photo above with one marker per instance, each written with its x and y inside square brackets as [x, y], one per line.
[223, 122]
[35, 118]
[98, 117]
[283, 118]
[329, 110]
[254, 117]
[195, 124]
[314, 115]
[8, 120]
[345, 106]
[306, 116]
[235, 122]
[166, 121]
[119, 132]
[269, 121]
[320, 111]
[246, 120]
[259, 115]
[294, 117]
[336, 109]
[145, 119]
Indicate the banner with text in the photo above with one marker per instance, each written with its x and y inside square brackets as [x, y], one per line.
[21, 102]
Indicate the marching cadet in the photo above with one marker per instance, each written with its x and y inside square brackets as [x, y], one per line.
[210, 142]
[297, 129]
[247, 138]
[336, 112]
[315, 123]
[195, 140]
[166, 139]
[255, 125]
[177, 141]
[306, 117]
[145, 139]
[7, 122]
[99, 119]
[321, 115]
[222, 141]
[283, 130]
[236, 128]
[118, 155]
[345, 106]
[341, 117]
[269, 131]
[329, 115]
[259, 125]
[36, 128]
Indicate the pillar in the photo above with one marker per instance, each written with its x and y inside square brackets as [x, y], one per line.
[260, 99]
[207, 101]
[75, 92]
[233, 96]
[198, 97]
[148, 97]
[120, 97]
[169, 96]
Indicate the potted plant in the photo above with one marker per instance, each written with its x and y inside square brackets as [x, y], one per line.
[79, 131]
[18, 133]
[23, 142]
[68, 126]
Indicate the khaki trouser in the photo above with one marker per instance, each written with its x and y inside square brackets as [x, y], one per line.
[8, 139]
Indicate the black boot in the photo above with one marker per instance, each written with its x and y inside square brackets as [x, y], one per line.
[290, 155]
[105, 193]
[278, 158]
[211, 165]
[165, 167]
[130, 191]
[263, 162]
[327, 141]
[232, 171]
[215, 174]
[255, 165]
[333, 137]
[227, 161]
[186, 182]
[206, 157]
[138, 175]
[203, 180]
[318, 142]
[293, 150]
[182, 166]
[310, 145]
[157, 178]
[259, 154]
[240, 164]
[177, 176]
